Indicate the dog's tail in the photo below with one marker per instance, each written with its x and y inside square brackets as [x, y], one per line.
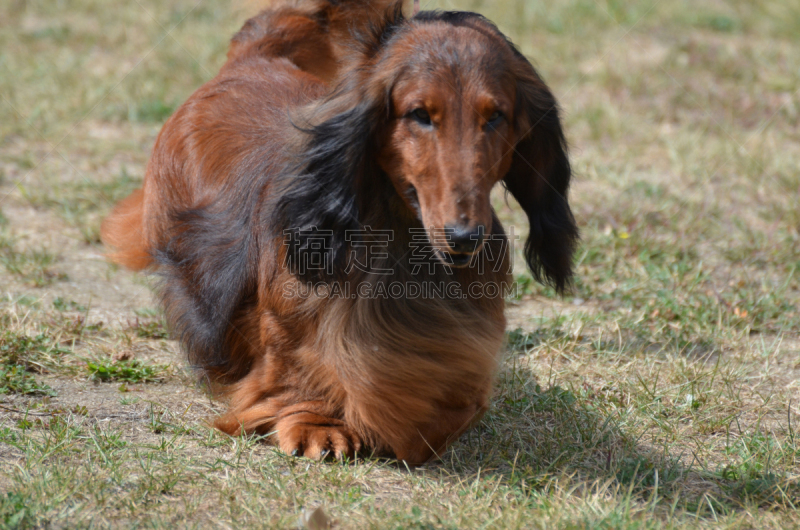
[123, 231]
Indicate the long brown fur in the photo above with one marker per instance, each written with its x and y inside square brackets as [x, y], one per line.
[336, 116]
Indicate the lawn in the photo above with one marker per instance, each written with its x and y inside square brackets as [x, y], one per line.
[663, 391]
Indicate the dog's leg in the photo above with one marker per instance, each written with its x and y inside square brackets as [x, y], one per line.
[311, 429]
[262, 404]
[254, 403]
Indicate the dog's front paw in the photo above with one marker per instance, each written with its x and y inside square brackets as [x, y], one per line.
[314, 436]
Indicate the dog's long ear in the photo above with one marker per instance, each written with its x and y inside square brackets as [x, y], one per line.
[320, 202]
[539, 179]
[326, 191]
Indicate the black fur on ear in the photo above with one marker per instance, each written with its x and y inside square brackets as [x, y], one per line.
[321, 201]
[324, 195]
[539, 180]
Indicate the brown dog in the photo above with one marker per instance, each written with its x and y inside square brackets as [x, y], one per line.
[267, 180]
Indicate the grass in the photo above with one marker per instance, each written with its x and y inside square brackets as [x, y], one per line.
[14, 378]
[32, 265]
[83, 204]
[662, 392]
[149, 329]
[124, 371]
[19, 356]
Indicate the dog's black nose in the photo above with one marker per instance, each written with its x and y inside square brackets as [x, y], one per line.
[464, 239]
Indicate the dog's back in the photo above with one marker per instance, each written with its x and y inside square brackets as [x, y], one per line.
[315, 35]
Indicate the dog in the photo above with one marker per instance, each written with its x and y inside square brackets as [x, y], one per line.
[346, 145]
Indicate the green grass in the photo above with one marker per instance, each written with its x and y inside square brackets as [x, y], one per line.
[15, 379]
[62, 304]
[20, 355]
[124, 371]
[662, 392]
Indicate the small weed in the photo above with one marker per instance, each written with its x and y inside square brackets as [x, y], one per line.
[16, 379]
[14, 511]
[20, 355]
[36, 352]
[524, 285]
[62, 304]
[521, 341]
[125, 371]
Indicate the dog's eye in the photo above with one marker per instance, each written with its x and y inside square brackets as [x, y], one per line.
[421, 116]
[495, 119]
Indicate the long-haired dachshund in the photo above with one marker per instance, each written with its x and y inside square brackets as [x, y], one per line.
[344, 145]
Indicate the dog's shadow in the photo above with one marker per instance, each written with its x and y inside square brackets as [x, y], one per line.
[535, 437]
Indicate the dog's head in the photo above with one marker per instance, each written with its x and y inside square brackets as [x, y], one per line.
[446, 107]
